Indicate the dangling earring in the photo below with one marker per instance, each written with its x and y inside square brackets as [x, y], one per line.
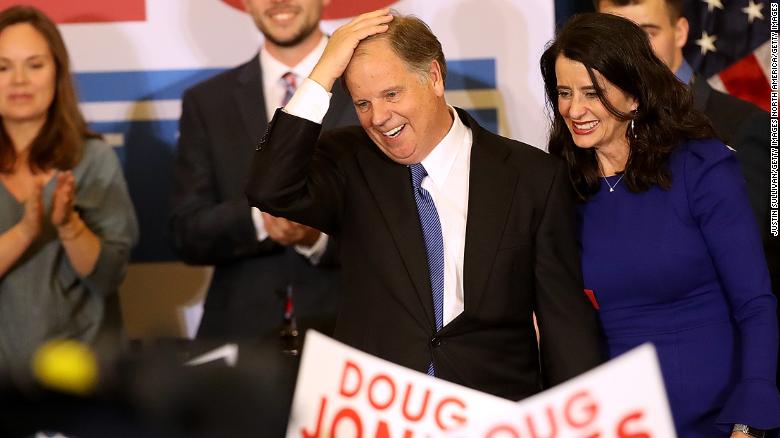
[631, 132]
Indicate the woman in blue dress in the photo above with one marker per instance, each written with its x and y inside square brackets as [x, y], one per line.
[670, 247]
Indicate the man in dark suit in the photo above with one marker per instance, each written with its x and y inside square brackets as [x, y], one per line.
[257, 257]
[451, 237]
[740, 124]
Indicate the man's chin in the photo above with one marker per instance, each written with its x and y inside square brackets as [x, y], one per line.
[285, 42]
[405, 160]
[291, 40]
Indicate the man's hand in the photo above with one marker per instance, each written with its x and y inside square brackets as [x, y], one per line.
[342, 44]
[286, 232]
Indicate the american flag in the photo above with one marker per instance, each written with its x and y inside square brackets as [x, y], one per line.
[728, 43]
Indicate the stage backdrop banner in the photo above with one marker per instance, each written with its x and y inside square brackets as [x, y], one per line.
[343, 392]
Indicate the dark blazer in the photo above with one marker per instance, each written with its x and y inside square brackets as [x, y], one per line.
[521, 255]
[222, 119]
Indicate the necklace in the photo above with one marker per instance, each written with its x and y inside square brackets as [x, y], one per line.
[612, 186]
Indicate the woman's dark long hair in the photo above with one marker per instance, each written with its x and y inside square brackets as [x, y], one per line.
[60, 140]
[620, 50]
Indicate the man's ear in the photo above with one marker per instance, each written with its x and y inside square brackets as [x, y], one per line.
[681, 29]
[436, 78]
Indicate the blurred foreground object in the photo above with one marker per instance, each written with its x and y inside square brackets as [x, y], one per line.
[66, 365]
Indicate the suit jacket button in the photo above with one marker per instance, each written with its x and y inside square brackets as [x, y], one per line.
[435, 342]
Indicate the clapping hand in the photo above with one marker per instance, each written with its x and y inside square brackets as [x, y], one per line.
[32, 221]
[63, 198]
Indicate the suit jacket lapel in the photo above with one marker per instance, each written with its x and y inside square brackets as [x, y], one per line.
[249, 96]
[491, 188]
[391, 186]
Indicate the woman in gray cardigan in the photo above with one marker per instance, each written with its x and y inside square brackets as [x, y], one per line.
[66, 220]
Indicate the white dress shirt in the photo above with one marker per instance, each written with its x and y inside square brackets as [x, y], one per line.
[448, 167]
[274, 89]
[274, 86]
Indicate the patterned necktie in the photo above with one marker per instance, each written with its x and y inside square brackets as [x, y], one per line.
[434, 243]
[290, 85]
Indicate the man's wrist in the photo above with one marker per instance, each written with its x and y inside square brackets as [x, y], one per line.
[257, 220]
[315, 252]
[323, 81]
[311, 101]
[309, 239]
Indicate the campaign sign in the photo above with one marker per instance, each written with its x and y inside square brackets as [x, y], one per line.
[344, 393]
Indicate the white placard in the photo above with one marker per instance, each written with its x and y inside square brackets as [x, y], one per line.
[342, 392]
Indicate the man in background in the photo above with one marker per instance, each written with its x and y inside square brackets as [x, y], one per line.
[263, 265]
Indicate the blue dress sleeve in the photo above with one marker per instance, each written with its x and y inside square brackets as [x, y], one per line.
[718, 201]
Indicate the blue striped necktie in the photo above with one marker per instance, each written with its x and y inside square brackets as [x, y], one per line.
[434, 243]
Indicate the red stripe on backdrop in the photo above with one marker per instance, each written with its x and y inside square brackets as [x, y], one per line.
[343, 9]
[746, 80]
[87, 11]
[337, 8]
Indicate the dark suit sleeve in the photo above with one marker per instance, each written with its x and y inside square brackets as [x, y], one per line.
[570, 337]
[295, 176]
[205, 228]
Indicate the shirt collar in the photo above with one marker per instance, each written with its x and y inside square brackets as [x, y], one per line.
[684, 73]
[439, 161]
[273, 69]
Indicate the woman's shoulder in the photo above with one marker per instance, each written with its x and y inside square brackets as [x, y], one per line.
[705, 165]
[698, 155]
[96, 150]
[97, 158]
[96, 146]
[706, 149]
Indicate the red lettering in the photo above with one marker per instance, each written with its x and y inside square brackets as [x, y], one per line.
[358, 375]
[371, 392]
[423, 407]
[589, 409]
[627, 422]
[505, 430]
[383, 432]
[552, 425]
[350, 414]
[317, 433]
[458, 418]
